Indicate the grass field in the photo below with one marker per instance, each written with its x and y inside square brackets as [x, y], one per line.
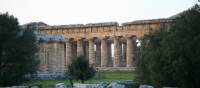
[99, 78]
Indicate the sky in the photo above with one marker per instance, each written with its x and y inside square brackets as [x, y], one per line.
[61, 12]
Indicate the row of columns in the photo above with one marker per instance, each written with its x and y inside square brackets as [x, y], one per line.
[102, 55]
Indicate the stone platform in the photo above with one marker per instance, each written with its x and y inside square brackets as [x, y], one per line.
[114, 69]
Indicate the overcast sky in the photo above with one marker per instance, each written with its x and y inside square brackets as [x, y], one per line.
[58, 12]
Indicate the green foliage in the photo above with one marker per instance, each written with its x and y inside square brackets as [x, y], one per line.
[80, 69]
[17, 49]
[172, 58]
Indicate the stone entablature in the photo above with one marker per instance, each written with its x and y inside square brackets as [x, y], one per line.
[137, 28]
[50, 38]
[42, 25]
[152, 21]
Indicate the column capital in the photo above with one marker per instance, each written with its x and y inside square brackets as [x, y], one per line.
[104, 38]
[129, 36]
[69, 39]
[78, 38]
[91, 39]
[117, 37]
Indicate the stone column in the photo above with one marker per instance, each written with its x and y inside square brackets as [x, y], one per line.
[104, 56]
[124, 54]
[73, 49]
[110, 61]
[116, 52]
[91, 52]
[62, 49]
[86, 50]
[120, 54]
[42, 56]
[68, 52]
[79, 47]
[58, 57]
[98, 54]
[129, 53]
[52, 57]
[46, 57]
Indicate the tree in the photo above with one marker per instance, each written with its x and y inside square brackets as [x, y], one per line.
[17, 51]
[80, 69]
[172, 58]
[150, 61]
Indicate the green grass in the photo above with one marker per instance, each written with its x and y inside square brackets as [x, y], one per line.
[111, 77]
[99, 78]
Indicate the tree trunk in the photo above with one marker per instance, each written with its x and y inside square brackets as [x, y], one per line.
[71, 82]
[82, 81]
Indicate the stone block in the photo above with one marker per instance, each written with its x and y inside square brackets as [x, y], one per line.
[146, 86]
[115, 85]
[61, 85]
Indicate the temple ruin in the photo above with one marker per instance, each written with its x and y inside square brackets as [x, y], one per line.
[61, 43]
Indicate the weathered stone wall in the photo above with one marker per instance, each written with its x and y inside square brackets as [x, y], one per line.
[51, 54]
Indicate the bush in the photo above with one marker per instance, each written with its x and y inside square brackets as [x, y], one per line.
[80, 69]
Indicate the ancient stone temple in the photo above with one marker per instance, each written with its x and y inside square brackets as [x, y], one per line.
[107, 45]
